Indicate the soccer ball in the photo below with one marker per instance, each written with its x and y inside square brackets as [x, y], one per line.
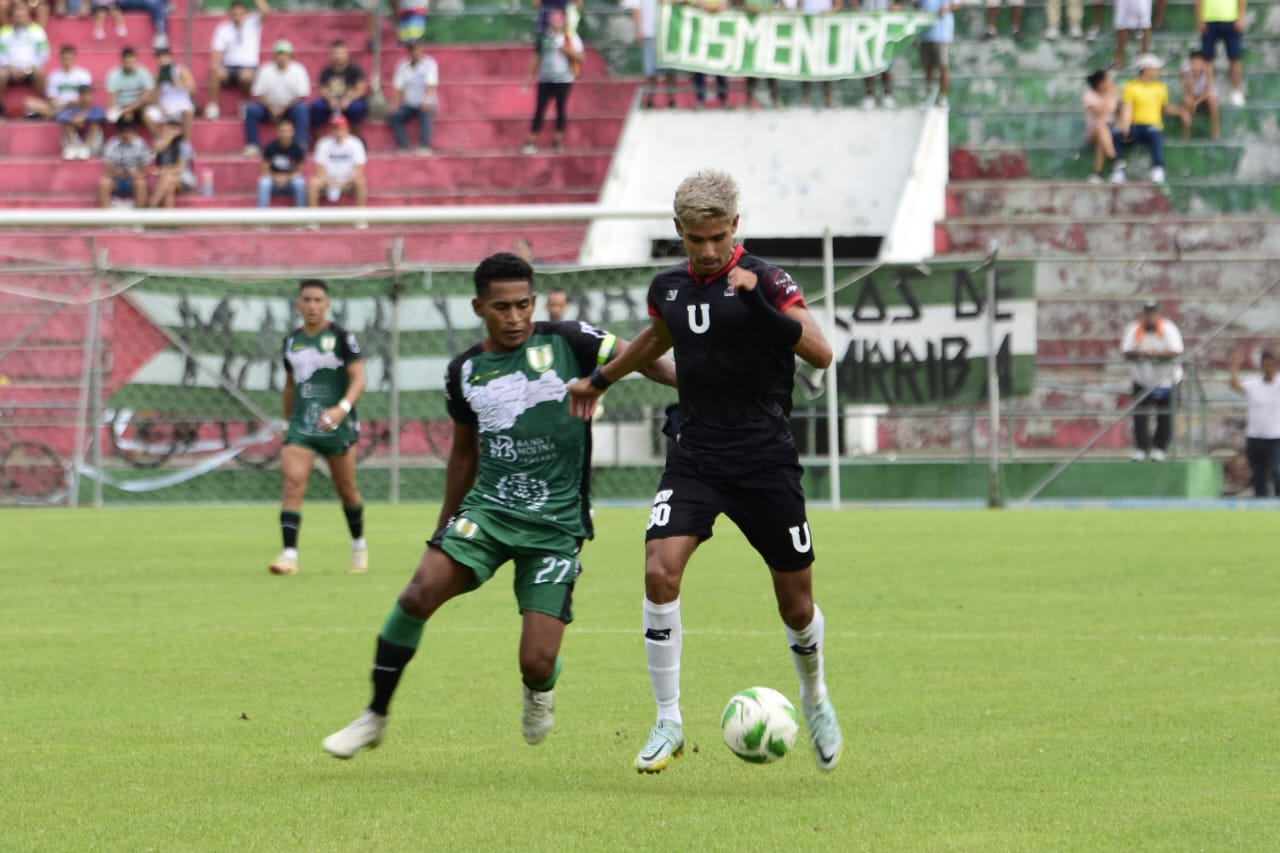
[760, 725]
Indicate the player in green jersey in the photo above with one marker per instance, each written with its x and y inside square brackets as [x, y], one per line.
[325, 377]
[515, 490]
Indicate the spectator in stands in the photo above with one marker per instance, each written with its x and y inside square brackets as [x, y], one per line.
[886, 78]
[414, 85]
[1099, 21]
[1262, 428]
[935, 47]
[38, 11]
[171, 99]
[1199, 94]
[1075, 18]
[1152, 343]
[545, 8]
[159, 12]
[339, 165]
[344, 89]
[174, 165]
[644, 13]
[62, 88]
[1223, 21]
[411, 20]
[283, 162]
[993, 18]
[126, 158]
[1131, 15]
[129, 87]
[280, 89]
[523, 247]
[557, 304]
[24, 52]
[555, 68]
[100, 9]
[82, 127]
[1143, 106]
[237, 52]
[1100, 106]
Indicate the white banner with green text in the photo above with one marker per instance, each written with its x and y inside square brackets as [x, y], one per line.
[784, 45]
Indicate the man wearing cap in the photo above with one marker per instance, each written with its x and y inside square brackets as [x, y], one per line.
[1152, 345]
[1143, 106]
[280, 89]
[339, 165]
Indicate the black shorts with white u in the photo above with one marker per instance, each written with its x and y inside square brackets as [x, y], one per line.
[767, 505]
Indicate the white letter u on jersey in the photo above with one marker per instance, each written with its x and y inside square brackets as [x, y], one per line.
[699, 324]
[801, 547]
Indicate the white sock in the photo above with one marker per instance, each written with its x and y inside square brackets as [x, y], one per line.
[662, 643]
[806, 653]
[359, 544]
[290, 553]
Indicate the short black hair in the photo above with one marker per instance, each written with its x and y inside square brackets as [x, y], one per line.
[502, 266]
[128, 52]
[1268, 354]
[338, 43]
[1095, 79]
[67, 48]
[1197, 54]
[125, 123]
[312, 282]
[285, 120]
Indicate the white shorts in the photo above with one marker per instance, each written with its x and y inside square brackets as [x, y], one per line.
[1133, 14]
[993, 4]
[157, 114]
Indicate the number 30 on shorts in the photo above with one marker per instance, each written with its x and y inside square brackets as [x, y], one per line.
[561, 567]
[661, 512]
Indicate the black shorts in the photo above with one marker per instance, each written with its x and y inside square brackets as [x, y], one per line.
[767, 505]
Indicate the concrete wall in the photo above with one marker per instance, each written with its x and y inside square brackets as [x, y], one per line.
[801, 170]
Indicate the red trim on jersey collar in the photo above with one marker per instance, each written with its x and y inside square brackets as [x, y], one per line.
[738, 252]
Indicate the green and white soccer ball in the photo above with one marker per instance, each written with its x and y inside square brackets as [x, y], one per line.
[760, 725]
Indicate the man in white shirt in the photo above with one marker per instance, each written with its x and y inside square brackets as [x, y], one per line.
[1262, 429]
[280, 89]
[63, 88]
[1152, 344]
[415, 85]
[24, 51]
[644, 14]
[339, 165]
[237, 52]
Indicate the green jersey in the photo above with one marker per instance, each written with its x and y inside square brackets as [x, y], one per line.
[535, 456]
[318, 365]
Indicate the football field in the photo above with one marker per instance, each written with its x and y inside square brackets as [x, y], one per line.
[1065, 679]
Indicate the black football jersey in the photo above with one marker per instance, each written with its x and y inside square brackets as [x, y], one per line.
[735, 385]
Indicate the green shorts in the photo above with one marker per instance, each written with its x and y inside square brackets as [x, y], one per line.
[331, 444]
[546, 558]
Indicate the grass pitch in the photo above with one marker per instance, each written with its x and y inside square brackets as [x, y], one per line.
[1046, 680]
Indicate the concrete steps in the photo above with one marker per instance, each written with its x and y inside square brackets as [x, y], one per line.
[1112, 236]
[1048, 161]
[1056, 198]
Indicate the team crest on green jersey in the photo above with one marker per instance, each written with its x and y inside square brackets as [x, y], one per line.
[540, 357]
[328, 342]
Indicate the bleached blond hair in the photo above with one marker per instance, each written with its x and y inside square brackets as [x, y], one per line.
[706, 195]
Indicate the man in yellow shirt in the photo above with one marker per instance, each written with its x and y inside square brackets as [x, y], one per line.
[1143, 106]
[1223, 20]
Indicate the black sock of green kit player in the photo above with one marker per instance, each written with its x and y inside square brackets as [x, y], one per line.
[290, 522]
[355, 520]
[396, 646]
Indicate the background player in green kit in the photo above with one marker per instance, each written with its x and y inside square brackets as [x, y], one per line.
[325, 378]
[515, 489]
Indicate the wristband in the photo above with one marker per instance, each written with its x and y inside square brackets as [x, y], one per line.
[345, 405]
[599, 380]
[779, 325]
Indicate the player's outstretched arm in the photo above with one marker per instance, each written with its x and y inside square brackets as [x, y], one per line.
[639, 354]
[812, 346]
[460, 473]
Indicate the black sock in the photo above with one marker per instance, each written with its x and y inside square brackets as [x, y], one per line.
[290, 522]
[388, 665]
[355, 519]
